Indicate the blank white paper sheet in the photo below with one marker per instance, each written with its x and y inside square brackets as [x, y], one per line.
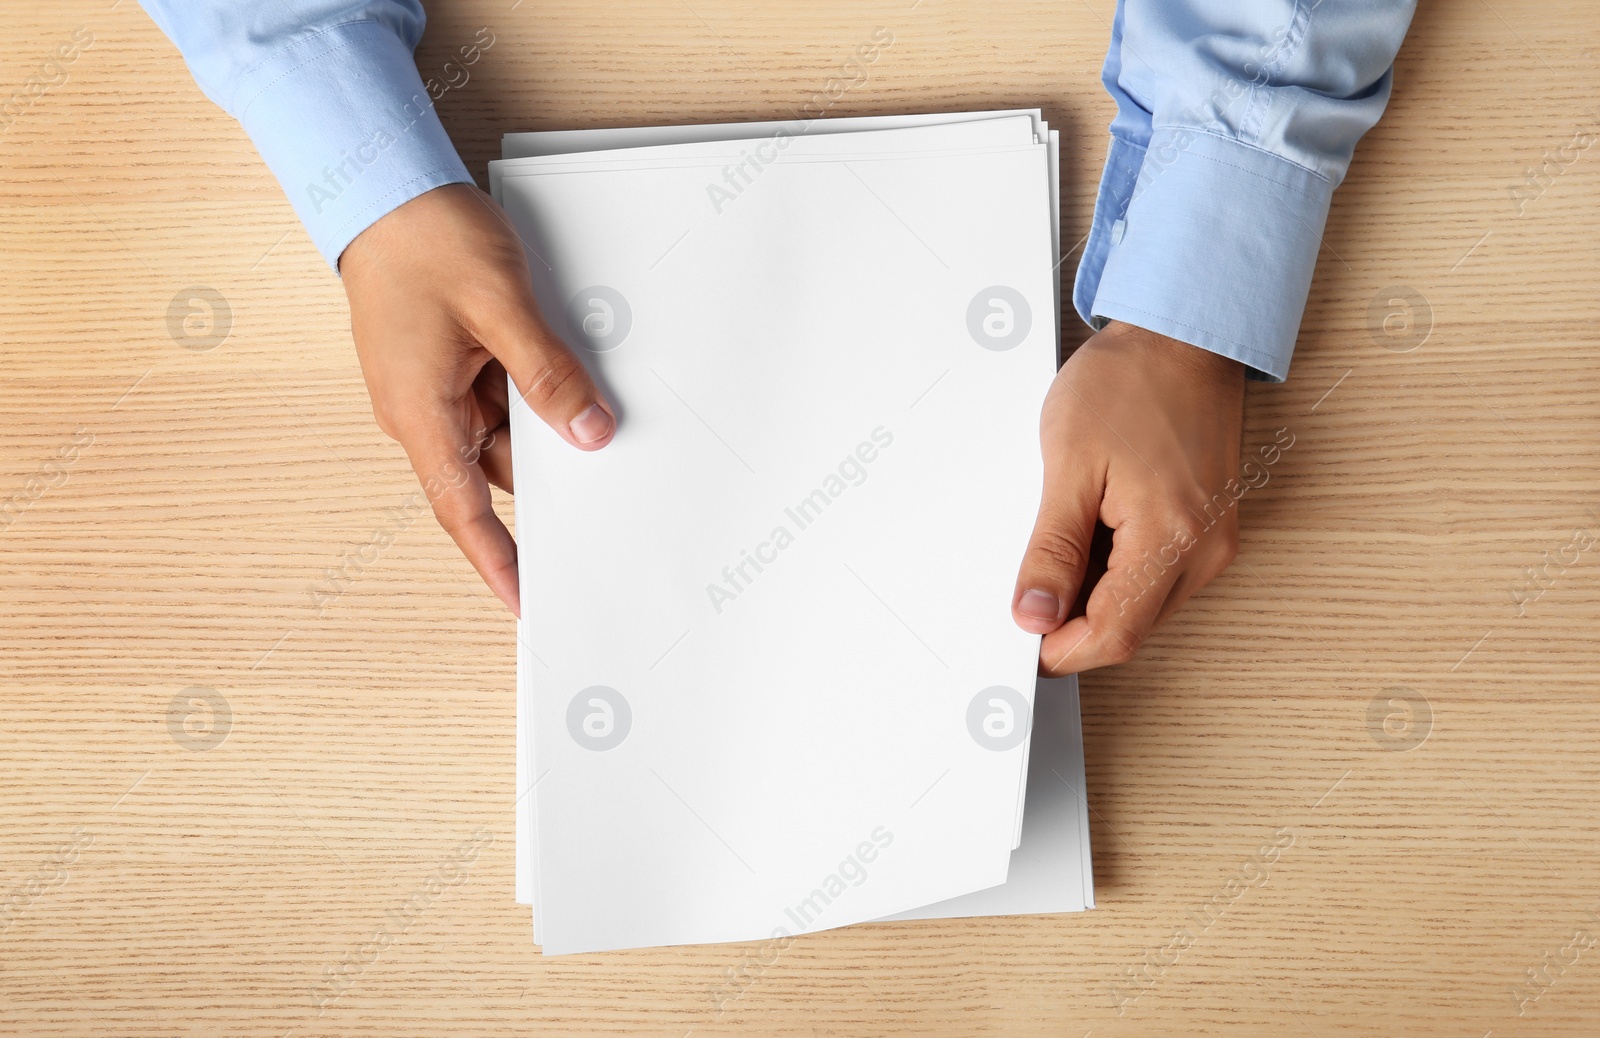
[768, 680]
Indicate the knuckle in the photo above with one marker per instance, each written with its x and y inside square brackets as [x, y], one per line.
[1220, 545]
[1056, 550]
[447, 517]
[556, 373]
[1179, 525]
[1185, 528]
[1227, 549]
[1203, 510]
[1121, 644]
[407, 425]
[452, 509]
[388, 420]
[385, 424]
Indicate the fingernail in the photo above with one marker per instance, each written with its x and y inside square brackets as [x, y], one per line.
[590, 426]
[1041, 605]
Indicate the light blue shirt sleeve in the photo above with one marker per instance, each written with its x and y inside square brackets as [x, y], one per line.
[1235, 121]
[329, 93]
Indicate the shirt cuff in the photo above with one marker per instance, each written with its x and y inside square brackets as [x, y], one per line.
[343, 121]
[1208, 241]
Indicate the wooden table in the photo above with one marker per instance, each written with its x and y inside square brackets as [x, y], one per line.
[1362, 682]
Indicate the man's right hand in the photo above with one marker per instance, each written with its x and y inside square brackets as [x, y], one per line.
[441, 308]
[1140, 435]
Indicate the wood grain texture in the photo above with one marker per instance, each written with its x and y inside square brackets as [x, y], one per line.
[158, 888]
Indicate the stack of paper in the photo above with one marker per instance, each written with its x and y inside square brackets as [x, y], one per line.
[768, 679]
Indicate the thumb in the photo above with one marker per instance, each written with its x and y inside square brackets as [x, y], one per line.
[1058, 552]
[550, 378]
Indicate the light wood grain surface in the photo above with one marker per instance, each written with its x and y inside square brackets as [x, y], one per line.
[182, 502]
